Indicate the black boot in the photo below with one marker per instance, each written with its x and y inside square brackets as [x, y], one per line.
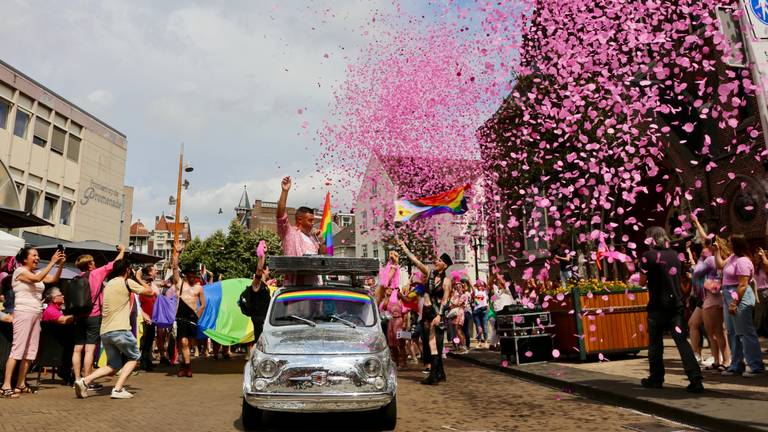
[432, 378]
[441, 371]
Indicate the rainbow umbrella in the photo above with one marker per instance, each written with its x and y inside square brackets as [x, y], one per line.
[222, 320]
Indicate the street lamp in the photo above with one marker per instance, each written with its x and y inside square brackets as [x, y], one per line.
[476, 241]
[185, 183]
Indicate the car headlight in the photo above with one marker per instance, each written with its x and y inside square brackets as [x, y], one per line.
[372, 367]
[267, 368]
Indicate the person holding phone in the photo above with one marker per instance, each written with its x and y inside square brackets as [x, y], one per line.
[739, 300]
[28, 285]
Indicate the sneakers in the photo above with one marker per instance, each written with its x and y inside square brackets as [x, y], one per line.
[121, 394]
[754, 373]
[81, 389]
[95, 386]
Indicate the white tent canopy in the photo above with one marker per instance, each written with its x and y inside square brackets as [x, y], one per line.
[10, 244]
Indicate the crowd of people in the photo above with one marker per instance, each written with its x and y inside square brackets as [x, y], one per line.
[717, 289]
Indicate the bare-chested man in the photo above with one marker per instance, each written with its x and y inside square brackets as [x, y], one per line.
[190, 294]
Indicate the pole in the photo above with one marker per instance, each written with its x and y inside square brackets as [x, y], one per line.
[477, 268]
[175, 260]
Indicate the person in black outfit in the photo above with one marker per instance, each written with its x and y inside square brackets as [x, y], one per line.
[254, 301]
[436, 298]
[660, 270]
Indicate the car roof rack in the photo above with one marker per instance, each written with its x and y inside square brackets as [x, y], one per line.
[309, 265]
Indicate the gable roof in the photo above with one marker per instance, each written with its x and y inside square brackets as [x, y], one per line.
[345, 237]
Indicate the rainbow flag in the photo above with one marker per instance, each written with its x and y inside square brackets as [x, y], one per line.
[222, 320]
[325, 225]
[318, 294]
[452, 201]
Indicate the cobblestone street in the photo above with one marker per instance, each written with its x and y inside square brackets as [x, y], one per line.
[474, 399]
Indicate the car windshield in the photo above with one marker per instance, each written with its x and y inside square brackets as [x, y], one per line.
[342, 307]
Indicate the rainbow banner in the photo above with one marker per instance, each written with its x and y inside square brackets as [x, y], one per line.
[222, 319]
[318, 294]
[452, 201]
[325, 225]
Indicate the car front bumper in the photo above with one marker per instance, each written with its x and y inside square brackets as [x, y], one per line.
[318, 402]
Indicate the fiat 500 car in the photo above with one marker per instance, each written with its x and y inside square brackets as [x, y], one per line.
[322, 350]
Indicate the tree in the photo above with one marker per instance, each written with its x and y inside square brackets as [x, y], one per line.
[231, 255]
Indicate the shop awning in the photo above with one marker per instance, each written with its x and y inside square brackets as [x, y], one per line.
[12, 219]
[101, 252]
[10, 244]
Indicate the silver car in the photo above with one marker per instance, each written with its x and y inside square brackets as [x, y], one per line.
[322, 350]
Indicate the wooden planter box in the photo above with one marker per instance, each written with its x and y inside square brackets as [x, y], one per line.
[609, 322]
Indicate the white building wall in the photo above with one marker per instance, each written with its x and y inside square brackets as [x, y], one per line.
[447, 227]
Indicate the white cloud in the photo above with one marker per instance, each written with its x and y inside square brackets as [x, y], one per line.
[101, 98]
[226, 78]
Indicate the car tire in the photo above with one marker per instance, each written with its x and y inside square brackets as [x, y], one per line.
[388, 415]
[252, 417]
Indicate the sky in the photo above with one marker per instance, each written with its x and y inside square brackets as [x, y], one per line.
[243, 84]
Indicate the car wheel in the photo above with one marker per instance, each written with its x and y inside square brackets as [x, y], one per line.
[388, 415]
[252, 417]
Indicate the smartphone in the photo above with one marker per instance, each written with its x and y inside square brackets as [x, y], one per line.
[60, 247]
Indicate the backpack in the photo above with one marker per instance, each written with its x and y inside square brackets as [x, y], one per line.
[77, 295]
[245, 302]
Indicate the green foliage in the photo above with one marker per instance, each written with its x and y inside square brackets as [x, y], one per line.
[232, 255]
[416, 237]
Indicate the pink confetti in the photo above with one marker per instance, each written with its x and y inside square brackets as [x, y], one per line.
[504, 363]
[555, 353]
[529, 354]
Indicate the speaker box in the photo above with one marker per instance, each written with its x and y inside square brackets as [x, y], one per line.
[514, 349]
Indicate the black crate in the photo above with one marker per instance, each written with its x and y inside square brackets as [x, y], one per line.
[513, 348]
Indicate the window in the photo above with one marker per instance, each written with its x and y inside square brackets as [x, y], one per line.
[49, 206]
[374, 189]
[376, 250]
[535, 224]
[65, 218]
[364, 220]
[374, 219]
[21, 123]
[5, 108]
[73, 149]
[57, 140]
[30, 201]
[365, 251]
[40, 136]
[459, 249]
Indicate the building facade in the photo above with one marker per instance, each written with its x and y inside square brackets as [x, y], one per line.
[160, 241]
[68, 166]
[139, 238]
[454, 235]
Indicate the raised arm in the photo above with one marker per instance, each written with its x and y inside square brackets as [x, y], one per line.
[54, 278]
[285, 186]
[41, 276]
[719, 261]
[121, 252]
[699, 229]
[420, 265]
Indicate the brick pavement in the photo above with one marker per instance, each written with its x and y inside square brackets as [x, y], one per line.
[474, 399]
[729, 403]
